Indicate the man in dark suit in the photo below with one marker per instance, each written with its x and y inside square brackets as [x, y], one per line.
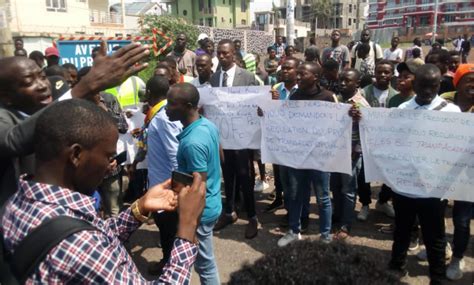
[25, 91]
[236, 166]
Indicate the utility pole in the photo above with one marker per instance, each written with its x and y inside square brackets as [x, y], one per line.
[435, 22]
[290, 22]
[6, 43]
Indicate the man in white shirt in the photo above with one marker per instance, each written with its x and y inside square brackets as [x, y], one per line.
[204, 69]
[375, 53]
[430, 211]
[394, 54]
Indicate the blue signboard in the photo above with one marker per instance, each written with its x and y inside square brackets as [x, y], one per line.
[79, 52]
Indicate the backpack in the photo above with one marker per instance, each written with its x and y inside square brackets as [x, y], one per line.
[373, 46]
[30, 252]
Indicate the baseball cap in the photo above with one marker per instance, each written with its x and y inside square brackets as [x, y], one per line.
[51, 51]
[59, 86]
[462, 70]
[202, 36]
[411, 65]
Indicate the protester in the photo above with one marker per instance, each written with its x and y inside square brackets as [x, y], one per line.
[301, 180]
[184, 57]
[198, 151]
[236, 162]
[202, 42]
[19, 44]
[344, 186]
[20, 52]
[364, 64]
[271, 65]
[416, 46]
[430, 211]
[72, 70]
[405, 80]
[279, 47]
[162, 147]
[394, 54]
[462, 211]
[457, 43]
[339, 53]
[311, 54]
[163, 69]
[204, 69]
[210, 51]
[75, 143]
[442, 59]
[371, 57]
[52, 56]
[330, 78]
[465, 49]
[37, 57]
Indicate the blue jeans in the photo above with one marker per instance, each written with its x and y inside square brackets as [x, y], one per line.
[344, 188]
[300, 181]
[205, 264]
[462, 214]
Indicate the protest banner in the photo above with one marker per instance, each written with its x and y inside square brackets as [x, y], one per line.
[234, 111]
[307, 135]
[419, 153]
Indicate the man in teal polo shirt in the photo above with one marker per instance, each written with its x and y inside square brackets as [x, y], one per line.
[198, 151]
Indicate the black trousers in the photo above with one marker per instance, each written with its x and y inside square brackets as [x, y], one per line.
[278, 184]
[430, 213]
[237, 174]
[365, 193]
[167, 223]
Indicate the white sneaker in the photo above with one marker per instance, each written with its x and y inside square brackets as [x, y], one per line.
[455, 268]
[423, 256]
[258, 186]
[288, 238]
[386, 208]
[265, 185]
[363, 214]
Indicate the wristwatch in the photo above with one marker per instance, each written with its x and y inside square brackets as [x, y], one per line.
[136, 212]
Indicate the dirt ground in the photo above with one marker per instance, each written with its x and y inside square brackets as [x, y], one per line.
[232, 250]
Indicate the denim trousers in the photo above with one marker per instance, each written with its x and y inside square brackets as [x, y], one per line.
[344, 188]
[205, 264]
[300, 182]
[462, 214]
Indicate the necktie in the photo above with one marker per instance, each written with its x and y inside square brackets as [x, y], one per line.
[224, 79]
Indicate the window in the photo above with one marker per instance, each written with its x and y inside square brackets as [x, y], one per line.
[349, 21]
[230, 2]
[223, 1]
[201, 22]
[56, 5]
[243, 6]
[230, 20]
[185, 12]
[244, 22]
[209, 22]
[222, 19]
[350, 9]
[201, 5]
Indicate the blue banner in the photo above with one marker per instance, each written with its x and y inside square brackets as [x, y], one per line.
[79, 53]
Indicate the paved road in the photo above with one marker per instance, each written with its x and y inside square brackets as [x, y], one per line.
[232, 250]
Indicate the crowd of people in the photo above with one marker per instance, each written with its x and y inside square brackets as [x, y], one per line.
[59, 128]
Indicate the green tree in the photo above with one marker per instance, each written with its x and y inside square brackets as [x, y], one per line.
[323, 10]
[171, 26]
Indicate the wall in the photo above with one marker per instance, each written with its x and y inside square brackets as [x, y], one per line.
[252, 41]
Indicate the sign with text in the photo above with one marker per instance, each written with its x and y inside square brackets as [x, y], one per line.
[234, 111]
[420, 153]
[79, 53]
[307, 135]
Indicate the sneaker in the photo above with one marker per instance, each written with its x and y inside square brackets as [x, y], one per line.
[455, 268]
[275, 205]
[251, 230]
[363, 214]
[389, 229]
[304, 225]
[422, 255]
[386, 208]
[225, 220]
[325, 239]
[258, 186]
[414, 244]
[288, 238]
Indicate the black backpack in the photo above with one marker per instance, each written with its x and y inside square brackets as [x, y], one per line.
[29, 253]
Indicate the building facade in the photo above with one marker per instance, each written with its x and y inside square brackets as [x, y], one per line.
[213, 13]
[417, 17]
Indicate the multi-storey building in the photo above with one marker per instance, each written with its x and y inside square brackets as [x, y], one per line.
[410, 16]
[213, 13]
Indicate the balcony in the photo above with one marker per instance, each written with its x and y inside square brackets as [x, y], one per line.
[98, 17]
[208, 10]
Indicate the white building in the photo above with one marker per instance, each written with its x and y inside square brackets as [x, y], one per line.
[38, 22]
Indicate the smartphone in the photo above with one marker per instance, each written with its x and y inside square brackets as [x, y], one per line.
[121, 157]
[180, 179]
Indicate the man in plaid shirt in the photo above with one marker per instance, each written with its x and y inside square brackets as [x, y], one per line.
[75, 142]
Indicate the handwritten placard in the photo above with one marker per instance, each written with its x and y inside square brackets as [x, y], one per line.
[234, 111]
[420, 153]
[307, 135]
